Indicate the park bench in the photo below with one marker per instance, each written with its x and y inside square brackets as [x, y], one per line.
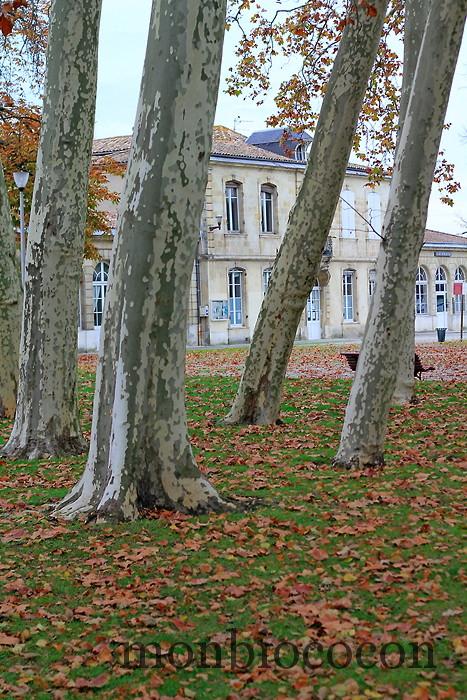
[352, 359]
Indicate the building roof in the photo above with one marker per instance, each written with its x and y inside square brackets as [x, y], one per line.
[226, 143]
[116, 146]
[437, 237]
[231, 144]
[275, 135]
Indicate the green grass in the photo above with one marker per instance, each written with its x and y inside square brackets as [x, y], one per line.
[329, 556]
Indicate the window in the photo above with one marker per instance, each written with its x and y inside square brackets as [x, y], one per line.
[348, 214]
[300, 153]
[99, 288]
[459, 276]
[348, 294]
[266, 278]
[267, 208]
[441, 291]
[236, 297]
[232, 207]
[371, 282]
[313, 306]
[421, 292]
[374, 214]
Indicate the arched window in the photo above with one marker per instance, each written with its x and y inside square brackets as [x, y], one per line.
[441, 290]
[99, 288]
[421, 292]
[459, 276]
[232, 206]
[236, 291]
[268, 198]
[300, 153]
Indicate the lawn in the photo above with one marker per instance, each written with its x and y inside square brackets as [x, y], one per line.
[352, 569]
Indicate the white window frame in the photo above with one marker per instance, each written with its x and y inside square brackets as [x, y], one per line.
[235, 295]
[348, 295]
[267, 272]
[421, 292]
[300, 153]
[459, 276]
[232, 205]
[348, 214]
[100, 279]
[313, 304]
[267, 203]
[371, 282]
[441, 289]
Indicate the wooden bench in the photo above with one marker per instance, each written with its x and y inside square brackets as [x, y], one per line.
[352, 359]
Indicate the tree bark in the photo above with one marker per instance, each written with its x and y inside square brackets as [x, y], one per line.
[364, 430]
[140, 455]
[404, 392]
[416, 15]
[10, 307]
[298, 261]
[47, 421]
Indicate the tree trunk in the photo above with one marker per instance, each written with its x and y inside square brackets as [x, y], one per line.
[10, 307]
[140, 455]
[298, 261]
[416, 15]
[404, 392]
[364, 430]
[47, 421]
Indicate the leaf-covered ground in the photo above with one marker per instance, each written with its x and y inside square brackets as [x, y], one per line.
[361, 558]
[316, 361]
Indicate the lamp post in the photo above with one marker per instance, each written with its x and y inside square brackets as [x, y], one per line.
[219, 223]
[21, 178]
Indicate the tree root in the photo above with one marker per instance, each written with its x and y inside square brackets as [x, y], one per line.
[358, 462]
[44, 448]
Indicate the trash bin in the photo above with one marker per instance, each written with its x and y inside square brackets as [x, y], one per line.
[441, 334]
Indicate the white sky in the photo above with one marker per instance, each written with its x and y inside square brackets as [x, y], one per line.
[122, 47]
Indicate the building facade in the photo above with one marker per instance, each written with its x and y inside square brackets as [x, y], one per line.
[251, 189]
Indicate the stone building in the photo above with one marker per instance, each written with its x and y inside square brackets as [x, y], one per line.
[252, 186]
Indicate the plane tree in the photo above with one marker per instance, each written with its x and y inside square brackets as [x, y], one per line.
[297, 263]
[364, 430]
[140, 454]
[46, 420]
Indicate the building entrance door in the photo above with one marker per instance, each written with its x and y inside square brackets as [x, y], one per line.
[313, 314]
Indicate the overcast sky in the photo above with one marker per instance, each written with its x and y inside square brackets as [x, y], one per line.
[122, 47]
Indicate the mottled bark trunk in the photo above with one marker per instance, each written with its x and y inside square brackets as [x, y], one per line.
[298, 261]
[140, 453]
[416, 15]
[364, 430]
[11, 299]
[404, 392]
[47, 421]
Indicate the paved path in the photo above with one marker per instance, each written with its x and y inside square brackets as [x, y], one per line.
[428, 337]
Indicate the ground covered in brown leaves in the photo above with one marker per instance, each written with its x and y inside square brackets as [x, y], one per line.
[331, 585]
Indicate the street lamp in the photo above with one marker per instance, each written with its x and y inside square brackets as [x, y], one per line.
[21, 178]
[219, 223]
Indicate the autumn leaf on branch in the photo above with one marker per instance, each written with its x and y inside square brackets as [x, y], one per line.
[307, 37]
[24, 25]
[369, 7]
[19, 140]
[9, 14]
